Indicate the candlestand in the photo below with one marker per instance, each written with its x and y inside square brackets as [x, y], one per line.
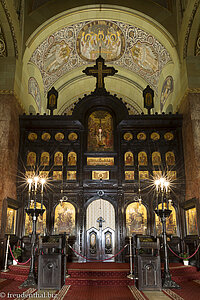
[167, 282]
[36, 188]
[130, 276]
[162, 194]
[31, 281]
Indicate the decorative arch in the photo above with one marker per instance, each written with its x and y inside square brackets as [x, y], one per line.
[100, 208]
[64, 218]
[61, 34]
[136, 218]
[171, 223]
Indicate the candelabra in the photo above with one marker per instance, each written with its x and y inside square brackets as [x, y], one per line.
[35, 193]
[162, 193]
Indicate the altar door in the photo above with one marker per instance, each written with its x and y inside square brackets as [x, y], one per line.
[100, 230]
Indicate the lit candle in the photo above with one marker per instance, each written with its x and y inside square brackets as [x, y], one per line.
[42, 191]
[36, 179]
[29, 191]
[157, 182]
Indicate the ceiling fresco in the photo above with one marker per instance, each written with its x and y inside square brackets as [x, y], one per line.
[119, 43]
[133, 109]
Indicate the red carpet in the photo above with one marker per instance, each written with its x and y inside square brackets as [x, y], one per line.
[190, 290]
[98, 274]
[99, 293]
[104, 281]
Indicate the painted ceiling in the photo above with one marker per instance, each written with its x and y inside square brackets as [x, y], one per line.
[120, 44]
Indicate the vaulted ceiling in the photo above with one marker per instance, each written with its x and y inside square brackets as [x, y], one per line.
[54, 41]
[141, 49]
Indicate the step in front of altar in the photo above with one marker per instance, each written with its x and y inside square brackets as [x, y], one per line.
[98, 277]
[103, 274]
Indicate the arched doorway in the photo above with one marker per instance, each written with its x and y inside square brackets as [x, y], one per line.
[100, 230]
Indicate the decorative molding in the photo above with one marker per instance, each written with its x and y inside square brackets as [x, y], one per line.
[189, 28]
[194, 91]
[197, 48]
[12, 30]
[3, 48]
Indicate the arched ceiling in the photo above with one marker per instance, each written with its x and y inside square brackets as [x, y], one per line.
[137, 46]
[38, 3]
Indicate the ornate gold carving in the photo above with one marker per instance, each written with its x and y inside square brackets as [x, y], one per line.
[72, 136]
[129, 175]
[71, 175]
[46, 136]
[128, 136]
[100, 161]
[141, 136]
[155, 136]
[98, 175]
[32, 136]
[169, 136]
[59, 136]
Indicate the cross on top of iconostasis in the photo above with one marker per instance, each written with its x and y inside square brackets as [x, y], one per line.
[100, 70]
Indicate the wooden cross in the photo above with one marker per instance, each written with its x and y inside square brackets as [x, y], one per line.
[100, 70]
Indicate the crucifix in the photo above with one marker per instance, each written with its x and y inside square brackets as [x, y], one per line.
[100, 220]
[100, 70]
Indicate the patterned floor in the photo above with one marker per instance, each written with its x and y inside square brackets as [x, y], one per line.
[9, 289]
